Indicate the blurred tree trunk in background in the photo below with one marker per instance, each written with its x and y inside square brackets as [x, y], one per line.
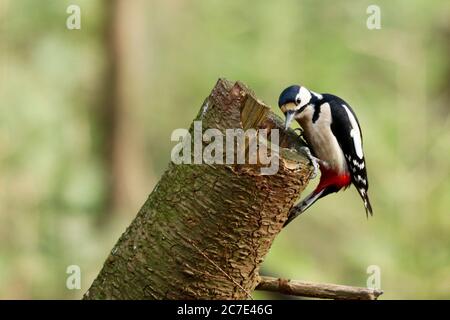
[123, 143]
[108, 104]
[206, 228]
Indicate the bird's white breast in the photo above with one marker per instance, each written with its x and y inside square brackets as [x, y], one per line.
[319, 136]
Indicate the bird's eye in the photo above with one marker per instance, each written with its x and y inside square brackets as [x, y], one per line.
[297, 101]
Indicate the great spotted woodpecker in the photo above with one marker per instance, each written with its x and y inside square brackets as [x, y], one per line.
[332, 131]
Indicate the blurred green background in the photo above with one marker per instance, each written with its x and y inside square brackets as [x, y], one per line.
[86, 117]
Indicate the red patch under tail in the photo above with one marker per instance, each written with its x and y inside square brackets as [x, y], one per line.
[330, 178]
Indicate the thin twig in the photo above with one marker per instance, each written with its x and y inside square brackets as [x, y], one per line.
[317, 290]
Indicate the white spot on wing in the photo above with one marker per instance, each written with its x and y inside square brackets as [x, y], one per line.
[355, 133]
[359, 165]
[361, 179]
[318, 95]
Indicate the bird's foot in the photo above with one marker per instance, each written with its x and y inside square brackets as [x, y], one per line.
[313, 160]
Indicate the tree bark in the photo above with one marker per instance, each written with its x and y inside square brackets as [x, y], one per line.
[205, 229]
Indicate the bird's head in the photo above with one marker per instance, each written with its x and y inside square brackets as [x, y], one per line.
[293, 101]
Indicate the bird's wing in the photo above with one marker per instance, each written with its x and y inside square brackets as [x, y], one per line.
[344, 121]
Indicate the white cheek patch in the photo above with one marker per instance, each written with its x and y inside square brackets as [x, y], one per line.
[304, 95]
[355, 133]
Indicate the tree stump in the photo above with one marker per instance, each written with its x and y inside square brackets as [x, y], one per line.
[206, 228]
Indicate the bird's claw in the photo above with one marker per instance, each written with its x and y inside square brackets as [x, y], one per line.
[313, 160]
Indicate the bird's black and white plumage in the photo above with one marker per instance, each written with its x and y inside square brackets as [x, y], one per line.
[332, 131]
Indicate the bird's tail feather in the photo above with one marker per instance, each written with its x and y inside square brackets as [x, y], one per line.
[367, 205]
[365, 197]
[301, 207]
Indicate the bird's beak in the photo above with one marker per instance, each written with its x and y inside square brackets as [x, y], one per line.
[289, 117]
